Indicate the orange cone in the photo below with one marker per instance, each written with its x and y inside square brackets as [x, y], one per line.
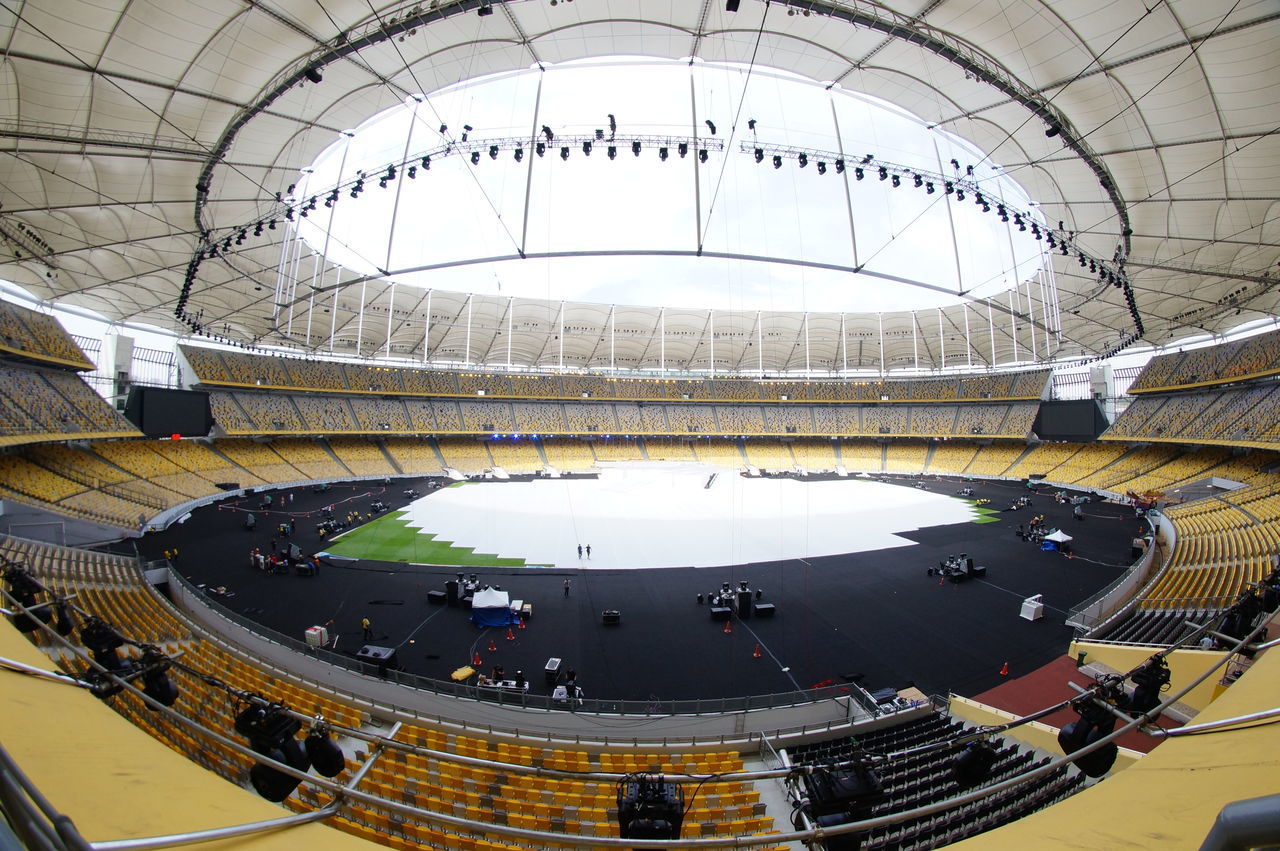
[476, 661]
[521, 624]
[728, 627]
[942, 581]
[756, 654]
[511, 636]
[492, 646]
[1004, 669]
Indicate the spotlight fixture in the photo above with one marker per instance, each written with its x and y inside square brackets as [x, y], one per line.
[928, 187]
[540, 148]
[710, 126]
[949, 186]
[731, 5]
[635, 147]
[586, 148]
[1035, 231]
[822, 167]
[917, 180]
[803, 159]
[681, 149]
[270, 731]
[973, 766]
[884, 173]
[493, 152]
[840, 166]
[649, 807]
[475, 157]
[777, 161]
[1052, 130]
[751, 124]
[702, 155]
[663, 153]
[859, 173]
[612, 151]
[868, 158]
[156, 683]
[759, 155]
[257, 228]
[564, 152]
[1002, 212]
[959, 194]
[313, 74]
[519, 154]
[325, 754]
[484, 10]
[426, 163]
[896, 181]
[1094, 723]
[444, 128]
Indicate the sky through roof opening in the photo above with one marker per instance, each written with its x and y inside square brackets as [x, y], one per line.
[624, 229]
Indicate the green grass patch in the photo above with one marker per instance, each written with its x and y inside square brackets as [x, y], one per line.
[390, 538]
[986, 520]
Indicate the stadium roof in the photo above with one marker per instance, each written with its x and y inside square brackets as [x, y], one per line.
[141, 133]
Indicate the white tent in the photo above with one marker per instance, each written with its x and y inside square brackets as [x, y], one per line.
[491, 607]
[1058, 537]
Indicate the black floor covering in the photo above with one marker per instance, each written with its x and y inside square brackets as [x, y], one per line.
[874, 615]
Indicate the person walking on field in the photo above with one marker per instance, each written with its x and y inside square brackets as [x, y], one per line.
[579, 551]
[588, 551]
[365, 625]
[566, 587]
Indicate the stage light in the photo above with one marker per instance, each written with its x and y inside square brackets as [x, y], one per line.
[959, 194]
[325, 754]
[710, 126]
[156, 683]
[103, 643]
[518, 154]
[649, 808]
[974, 763]
[635, 148]
[682, 149]
[564, 152]
[64, 621]
[840, 166]
[257, 227]
[586, 148]
[663, 153]
[928, 187]
[484, 10]
[1052, 130]
[313, 74]
[24, 589]
[270, 731]
[859, 173]
[702, 155]
[777, 161]
[539, 149]
[1095, 722]
[759, 155]
[1002, 212]
[612, 151]
[475, 158]
[1035, 231]
[426, 163]
[732, 6]
[884, 173]
[412, 172]
[822, 167]
[896, 181]
[868, 158]
[493, 152]
[751, 124]
[917, 180]
[803, 159]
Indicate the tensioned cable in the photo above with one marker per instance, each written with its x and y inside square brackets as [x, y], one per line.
[426, 100]
[733, 127]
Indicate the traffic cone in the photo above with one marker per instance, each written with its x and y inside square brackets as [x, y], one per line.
[728, 627]
[521, 624]
[492, 647]
[1004, 669]
[942, 581]
[756, 654]
[476, 661]
[511, 636]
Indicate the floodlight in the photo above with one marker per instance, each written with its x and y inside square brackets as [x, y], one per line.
[702, 155]
[803, 159]
[840, 166]
[822, 167]
[973, 766]
[325, 754]
[884, 173]
[859, 173]
[635, 147]
[519, 154]
[777, 161]
[759, 155]
[663, 153]
[564, 152]
[586, 148]
[612, 151]
[682, 149]
[710, 126]
[313, 74]
[493, 152]
[475, 158]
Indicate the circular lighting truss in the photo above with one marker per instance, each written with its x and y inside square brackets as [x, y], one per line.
[333, 294]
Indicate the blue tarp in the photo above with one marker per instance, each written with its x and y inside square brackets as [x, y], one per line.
[494, 617]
